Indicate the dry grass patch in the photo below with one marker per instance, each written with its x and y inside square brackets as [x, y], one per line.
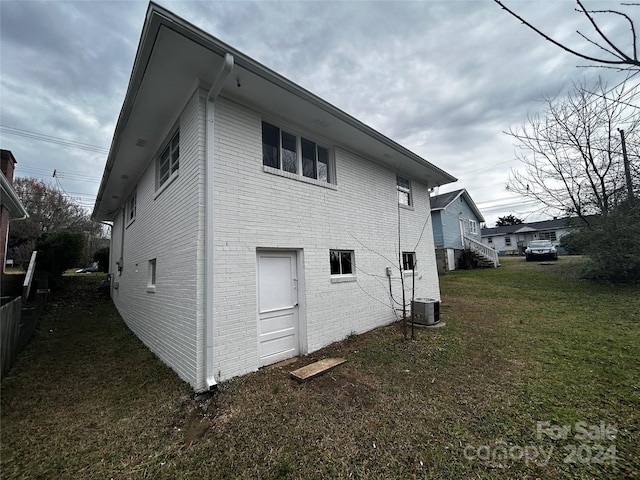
[523, 343]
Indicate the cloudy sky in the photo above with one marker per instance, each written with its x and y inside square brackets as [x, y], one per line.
[443, 78]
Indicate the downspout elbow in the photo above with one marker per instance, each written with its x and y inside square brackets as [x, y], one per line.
[221, 77]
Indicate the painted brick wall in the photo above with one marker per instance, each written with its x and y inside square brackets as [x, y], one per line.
[255, 209]
[168, 227]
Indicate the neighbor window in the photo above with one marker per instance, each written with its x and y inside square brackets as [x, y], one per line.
[169, 159]
[507, 240]
[404, 190]
[547, 236]
[473, 226]
[291, 153]
[131, 208]
[408, 260]
[341, 262]
[490, 239]
[151, 275]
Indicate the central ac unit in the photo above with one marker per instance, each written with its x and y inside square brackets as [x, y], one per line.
[425, 311]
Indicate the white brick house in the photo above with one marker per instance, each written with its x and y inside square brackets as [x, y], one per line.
[252, 220]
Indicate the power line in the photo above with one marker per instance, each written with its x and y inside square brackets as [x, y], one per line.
[70, 176]
[52, 139]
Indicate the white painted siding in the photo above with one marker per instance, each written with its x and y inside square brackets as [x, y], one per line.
[167, 227]
[254, 209]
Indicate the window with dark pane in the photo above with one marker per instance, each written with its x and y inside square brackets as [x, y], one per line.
[408, 260]
[169, 159]
[346, 263]
[323, 164]
[334, 261]
[175, 152]
[308, 158]
[270, 136]
[289, 153]
[341, 262]
[294, 154]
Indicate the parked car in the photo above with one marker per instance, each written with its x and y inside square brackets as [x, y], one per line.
[540, 249]
[90, 269]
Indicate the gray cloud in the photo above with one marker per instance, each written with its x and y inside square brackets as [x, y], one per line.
[442, 78]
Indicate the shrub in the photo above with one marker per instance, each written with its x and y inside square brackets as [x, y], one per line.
[102, 257]
[612, 245]
[58, 251]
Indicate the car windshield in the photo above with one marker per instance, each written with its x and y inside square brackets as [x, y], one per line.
[540, 244]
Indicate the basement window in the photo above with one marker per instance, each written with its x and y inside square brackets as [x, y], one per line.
[408, 261]
[151, 276]
[342, 265]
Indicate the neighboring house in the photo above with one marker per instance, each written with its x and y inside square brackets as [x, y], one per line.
[456, 227]
[11, 207]
[513, 239]
[252, 220]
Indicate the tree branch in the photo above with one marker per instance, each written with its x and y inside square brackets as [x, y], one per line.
[626, 60]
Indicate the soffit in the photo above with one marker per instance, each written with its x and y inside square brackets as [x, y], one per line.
[173, 58]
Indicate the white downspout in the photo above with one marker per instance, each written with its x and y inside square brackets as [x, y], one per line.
[218, 83]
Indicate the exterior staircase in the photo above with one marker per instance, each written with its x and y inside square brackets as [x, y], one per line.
[485, 254]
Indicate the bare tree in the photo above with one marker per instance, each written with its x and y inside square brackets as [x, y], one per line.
[50, 211]
[612, 54]
[572, 153]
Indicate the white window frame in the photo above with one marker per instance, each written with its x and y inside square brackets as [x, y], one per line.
[152, 275]
[299, 172]
[551, 236]
[473, 226]
[172, 151]
[507, 240]
[342, 276]
[409, 258]
[131, 208]
[404, 191]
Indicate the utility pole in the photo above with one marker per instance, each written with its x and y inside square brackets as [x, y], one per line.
[627, 171]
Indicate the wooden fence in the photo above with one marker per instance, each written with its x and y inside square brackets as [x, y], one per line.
[9, 333]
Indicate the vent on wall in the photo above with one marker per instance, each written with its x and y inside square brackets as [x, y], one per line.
[141, 142]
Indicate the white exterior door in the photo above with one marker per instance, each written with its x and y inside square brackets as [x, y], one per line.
[451, 258]
[278, 329]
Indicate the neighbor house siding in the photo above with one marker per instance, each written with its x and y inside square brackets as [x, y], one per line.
[438, 236]
[450, 223]
[257, 210]
[167, 227]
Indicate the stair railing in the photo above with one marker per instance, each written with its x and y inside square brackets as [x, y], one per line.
[483, 250]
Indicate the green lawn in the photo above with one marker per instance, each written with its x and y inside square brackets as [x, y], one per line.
[535, 375]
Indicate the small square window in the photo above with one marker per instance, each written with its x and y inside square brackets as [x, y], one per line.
[404, 190]
[342, 262]
[408, 260]
[507, 240]
[151, 275]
